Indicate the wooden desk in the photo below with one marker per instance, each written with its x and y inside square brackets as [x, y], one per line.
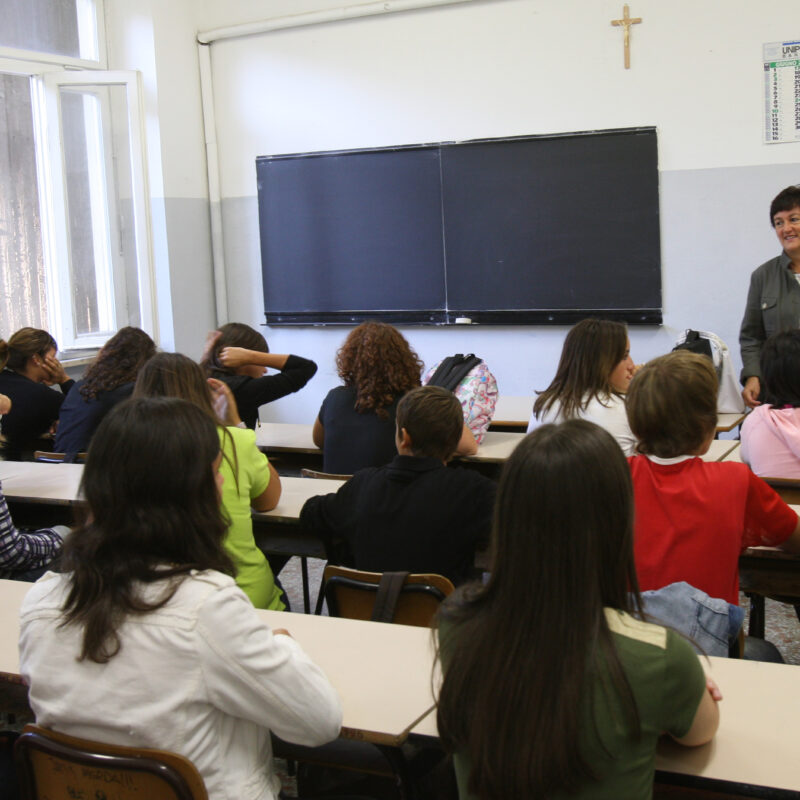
[515, 412]
[512, 412]
[727, 422]
[281, 437]
[756, 741]
[367, 662]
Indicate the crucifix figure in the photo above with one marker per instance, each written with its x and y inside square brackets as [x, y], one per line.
[626, 23]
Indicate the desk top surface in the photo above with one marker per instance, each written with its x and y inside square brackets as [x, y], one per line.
[367, 662]
[514, 410]
[28, 481]
[759, 725]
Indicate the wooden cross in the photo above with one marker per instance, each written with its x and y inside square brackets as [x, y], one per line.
[626, 23]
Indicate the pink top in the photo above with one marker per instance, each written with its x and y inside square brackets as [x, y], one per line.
[771, 441]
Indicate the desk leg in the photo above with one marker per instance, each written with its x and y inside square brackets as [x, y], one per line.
[757, 616]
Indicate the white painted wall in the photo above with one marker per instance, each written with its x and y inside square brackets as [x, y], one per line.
[500, 68]
[158, 39]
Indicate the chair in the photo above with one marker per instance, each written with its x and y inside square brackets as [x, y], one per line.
[50, 764]
[789, 491]
[328, 476]
[58, 458]
[407, 599]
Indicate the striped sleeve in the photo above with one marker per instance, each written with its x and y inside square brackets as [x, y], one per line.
[21, 551]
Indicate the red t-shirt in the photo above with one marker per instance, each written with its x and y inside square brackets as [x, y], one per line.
[694, 518]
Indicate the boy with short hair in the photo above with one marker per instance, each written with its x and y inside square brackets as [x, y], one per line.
[694, 518]
[413, 514]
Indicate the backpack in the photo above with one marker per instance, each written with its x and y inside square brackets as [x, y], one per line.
[729, 398]
[469, 378]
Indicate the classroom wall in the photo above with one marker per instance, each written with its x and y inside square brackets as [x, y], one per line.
[158, 39]
[485, 68]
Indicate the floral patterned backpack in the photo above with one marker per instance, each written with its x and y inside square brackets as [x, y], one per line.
[469, 378]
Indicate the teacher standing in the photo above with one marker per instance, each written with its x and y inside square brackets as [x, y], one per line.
[773, 301]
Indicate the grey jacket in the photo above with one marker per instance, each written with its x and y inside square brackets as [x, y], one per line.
[773, 304]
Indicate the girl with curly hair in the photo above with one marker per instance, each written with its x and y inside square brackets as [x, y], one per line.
[108, 380]
[239, 356]
[356, 424]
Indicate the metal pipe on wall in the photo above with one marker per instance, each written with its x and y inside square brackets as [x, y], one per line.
[204, 41]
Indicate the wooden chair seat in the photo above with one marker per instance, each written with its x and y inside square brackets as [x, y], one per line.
[52, 765]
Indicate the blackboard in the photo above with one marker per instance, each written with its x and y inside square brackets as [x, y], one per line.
[532, 229]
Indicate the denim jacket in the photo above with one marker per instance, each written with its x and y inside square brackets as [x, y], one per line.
[708, 622]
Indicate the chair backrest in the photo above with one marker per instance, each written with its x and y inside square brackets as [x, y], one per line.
[329, 476]
[413, 600]
[52, 765]
[57, 458]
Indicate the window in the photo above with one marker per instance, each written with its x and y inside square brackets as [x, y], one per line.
[74, 220]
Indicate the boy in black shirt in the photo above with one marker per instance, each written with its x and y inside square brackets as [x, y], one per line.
[414, 514]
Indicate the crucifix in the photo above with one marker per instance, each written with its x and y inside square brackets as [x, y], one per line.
[626, 23]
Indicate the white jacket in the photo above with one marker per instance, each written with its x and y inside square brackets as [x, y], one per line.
[607, 412]
[203, 676]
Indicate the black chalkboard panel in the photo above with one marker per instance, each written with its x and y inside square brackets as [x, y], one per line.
[535, 229]
[352, 233]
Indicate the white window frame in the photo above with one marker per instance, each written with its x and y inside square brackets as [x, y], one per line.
[55, 227]
[91, 27]
[46, 82]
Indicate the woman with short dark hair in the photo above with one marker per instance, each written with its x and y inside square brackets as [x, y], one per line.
[773, 301]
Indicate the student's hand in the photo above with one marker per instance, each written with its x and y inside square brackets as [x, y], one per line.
[5, 404]
[234, 357]
[211, 339]
[751, 391]
[224, 403]
[282, 631]
[55, 371]
[713, 690]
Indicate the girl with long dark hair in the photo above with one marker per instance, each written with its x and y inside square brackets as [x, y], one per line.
[144, 639]
[250, 480]
[553, 685]
[593, 375]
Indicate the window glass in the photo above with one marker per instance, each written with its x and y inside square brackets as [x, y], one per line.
[22, 274]
[58, 27]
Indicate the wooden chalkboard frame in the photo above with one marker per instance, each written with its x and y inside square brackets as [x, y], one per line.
[458, 231]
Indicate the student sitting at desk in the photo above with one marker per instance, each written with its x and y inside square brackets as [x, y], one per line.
[414, 514]
[250, 480]
[693, 518]
[553, 685]
[771, 431]
[144, 639]
[109, 380]
[31, 368]
[24, 556]
[238, 355]
[355, 427]
[591, 380]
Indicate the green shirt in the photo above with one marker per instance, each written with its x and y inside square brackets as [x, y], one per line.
[251, 478]
[667, 681]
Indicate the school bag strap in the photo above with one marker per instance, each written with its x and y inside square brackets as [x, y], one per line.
[695, 343]
[389, 589]
[452, 370]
